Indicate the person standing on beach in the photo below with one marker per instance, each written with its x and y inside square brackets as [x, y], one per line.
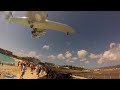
[32, 68]
[23, 71]
[2, 64]
[38, 69]
[21, 65]
[18, 63]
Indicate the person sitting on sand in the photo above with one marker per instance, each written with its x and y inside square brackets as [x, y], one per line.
[2, 64]
[23, 71]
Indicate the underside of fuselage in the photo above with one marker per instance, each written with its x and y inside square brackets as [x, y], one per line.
[37, 21]
[37, 16]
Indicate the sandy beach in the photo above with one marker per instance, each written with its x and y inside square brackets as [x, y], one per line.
[16, 71]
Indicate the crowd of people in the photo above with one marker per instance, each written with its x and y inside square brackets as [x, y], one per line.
[40, 70]
[33, 68]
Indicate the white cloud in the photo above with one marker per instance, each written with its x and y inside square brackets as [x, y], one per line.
[112, 45]
[108, 56]
[83, 59]
[23, 53]
[69, 61]
[33, 54]
[82, 53]
[100, 61]
[52, 57]
[94, 56]
[113, 54]
[87, 62]
[73, 51]
[46, 47]
[74, 58]
[60, 56]
[68, 54]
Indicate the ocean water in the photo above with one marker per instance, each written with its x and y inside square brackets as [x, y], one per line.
[6, 59]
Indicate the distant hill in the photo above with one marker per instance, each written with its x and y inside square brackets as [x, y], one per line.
[111, 67]
[72, 67]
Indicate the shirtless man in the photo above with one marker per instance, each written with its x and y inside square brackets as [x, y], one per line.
[23, 71]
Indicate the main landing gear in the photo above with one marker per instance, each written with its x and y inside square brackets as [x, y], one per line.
[67, 33]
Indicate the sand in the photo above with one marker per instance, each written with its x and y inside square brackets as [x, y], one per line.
[15, 70]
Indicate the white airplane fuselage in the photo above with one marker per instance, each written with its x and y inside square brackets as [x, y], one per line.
[37, 21]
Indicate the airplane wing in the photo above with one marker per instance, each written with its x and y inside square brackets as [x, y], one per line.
[19, 20]
[53, 26]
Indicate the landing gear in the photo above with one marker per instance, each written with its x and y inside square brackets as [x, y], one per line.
[67, 33]
[29, 22]
[33, 36]
[31, 26]
[35, 29]
[34, 33]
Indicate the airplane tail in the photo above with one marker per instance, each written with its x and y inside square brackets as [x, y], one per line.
[7, 15]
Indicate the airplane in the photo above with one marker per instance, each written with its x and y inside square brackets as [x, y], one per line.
[37, 20]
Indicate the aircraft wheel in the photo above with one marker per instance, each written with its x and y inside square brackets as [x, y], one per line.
[28, 22]
[31, 26]
[67, 33]
[35, 29]
[32, 32]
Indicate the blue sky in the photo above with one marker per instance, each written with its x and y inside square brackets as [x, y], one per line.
[95, 43]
